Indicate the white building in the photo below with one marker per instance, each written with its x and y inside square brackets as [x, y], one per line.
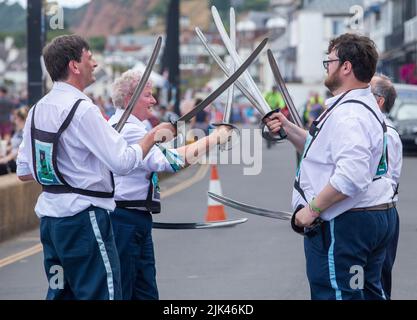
[312, 23]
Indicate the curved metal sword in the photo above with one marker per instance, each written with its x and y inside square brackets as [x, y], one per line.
[198, 225]
[257, 93]
[238, 60]
[280, 215]
[141, 85]
[225, 85]
[283, 88]
[230, 92]
[239, 83]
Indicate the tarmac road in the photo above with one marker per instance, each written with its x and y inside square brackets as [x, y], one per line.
[260, 259]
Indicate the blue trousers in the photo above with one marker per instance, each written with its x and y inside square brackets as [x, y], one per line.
[80, 257]
[344, 259]
[390, 259]
[133, 236]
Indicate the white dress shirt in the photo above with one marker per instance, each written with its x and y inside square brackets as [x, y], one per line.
[87, 150]
[135, 185]
[346, 154]
[395, 155]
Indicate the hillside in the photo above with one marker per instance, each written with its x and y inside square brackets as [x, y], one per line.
[105, 17]
[12, 18]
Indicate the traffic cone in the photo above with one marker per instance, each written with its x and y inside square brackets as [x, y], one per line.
[215, 210]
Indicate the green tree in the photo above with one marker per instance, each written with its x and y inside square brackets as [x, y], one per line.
[256, 5]
[97, 43]
[223, 8]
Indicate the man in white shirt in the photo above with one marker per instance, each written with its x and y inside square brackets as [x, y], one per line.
[71, 150]
[385, 95]
[137, 194]
[339, 179]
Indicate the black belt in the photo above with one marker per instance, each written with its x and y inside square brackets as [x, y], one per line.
[379, 207]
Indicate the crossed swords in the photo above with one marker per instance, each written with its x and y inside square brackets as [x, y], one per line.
[185, 118]
[255, 97]
[258, 101]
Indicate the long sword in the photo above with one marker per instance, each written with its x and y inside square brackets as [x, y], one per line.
[141, 85]
[198, 225]
[230, 92]
[281, 215]
[241, 86]
[237, 60]
[203, 104]
[283, 88]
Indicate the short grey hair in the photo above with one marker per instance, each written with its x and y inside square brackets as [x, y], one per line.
[383, 87]
[124, 86]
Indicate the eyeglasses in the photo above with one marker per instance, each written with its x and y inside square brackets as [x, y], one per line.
[327, 62]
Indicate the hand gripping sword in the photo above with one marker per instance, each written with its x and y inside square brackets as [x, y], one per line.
[119, 126]
[280, 215]
[212, 96]
[188, 116]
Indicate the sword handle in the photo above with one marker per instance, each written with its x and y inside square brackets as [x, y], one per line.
[267, 135]
[231, 142]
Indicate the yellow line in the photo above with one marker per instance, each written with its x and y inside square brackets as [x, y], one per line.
[200, 174]
[20, 255]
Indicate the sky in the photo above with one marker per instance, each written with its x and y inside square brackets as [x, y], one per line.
[65, 3]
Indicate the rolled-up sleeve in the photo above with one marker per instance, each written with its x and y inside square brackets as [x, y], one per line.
[395, 151]
[351, 150]
[162, 159]
[158, 159]
[107, 144]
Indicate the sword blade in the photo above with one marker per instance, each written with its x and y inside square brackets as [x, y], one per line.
[237, 60]
[203, 104]
[197, 225]
[230, 93]
[283, 88]
[141, 85]
[280, 215]
[241, 86]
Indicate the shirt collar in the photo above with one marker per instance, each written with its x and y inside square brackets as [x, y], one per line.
[66, 87]
[353, 93]
[132, 119]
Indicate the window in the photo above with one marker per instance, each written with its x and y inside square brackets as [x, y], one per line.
[337, 27]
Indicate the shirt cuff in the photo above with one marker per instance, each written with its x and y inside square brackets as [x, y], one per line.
[138, 153]
[23, 170]
[174, 159]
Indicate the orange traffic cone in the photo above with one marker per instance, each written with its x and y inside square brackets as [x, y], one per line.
[215, 210]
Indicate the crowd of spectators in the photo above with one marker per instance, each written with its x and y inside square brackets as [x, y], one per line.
[13, 113]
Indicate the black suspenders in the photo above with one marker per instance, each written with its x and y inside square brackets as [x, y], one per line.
[45, 165]
[314, 131]
[152, 202]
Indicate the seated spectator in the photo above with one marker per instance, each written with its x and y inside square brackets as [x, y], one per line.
[8, 162]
